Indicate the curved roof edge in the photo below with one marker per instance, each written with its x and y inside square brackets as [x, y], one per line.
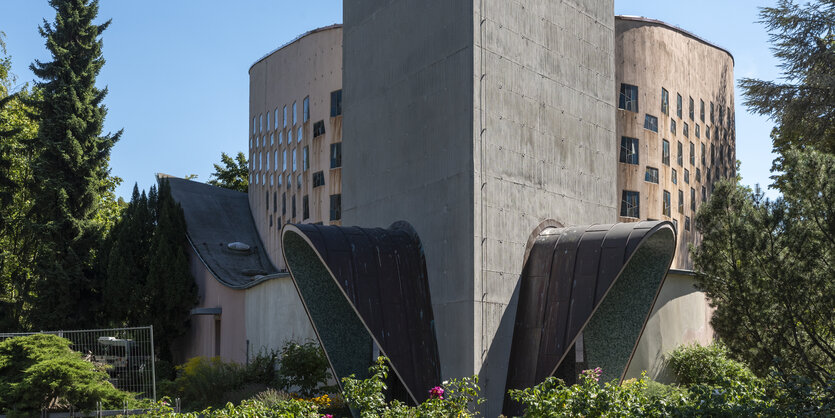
[294, 40]
[677, 29]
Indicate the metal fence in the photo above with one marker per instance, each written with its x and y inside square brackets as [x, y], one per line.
[127, 354]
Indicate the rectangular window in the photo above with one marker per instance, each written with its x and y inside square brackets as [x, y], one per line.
[665, 152]
[305, 208]
[628, 97]
[279, 137]
[284, 160]
[628, 150]
[698, 133]
[254, 125]
[278, 179]
[318, 179]
[268, 121]
[704, 194]
[299, 181]
[672, 126]
[675, 225]
[651, 175]
[336, 103]
[299, 135]
[692, 199]
[305, 159]
[306, 109]
[680, 201]
[678, 105]
[711, 112]
[261, 121]
[294, 113]
[687, 176]
[293, 207]
[318, 128]
[721, 116]
[267, 200]
[336, 155]
[703, 152]
[692, 110]
[707, 174]
[685, 130]
[665, 101]
[680, 156]
[283, 204]
[712, 154]
[702, 110]
[674, 176]
[707, 132]
[285, 116]
[651, 123]
[275, 120]
[698, 174]
[629, 206]
[666, 208]
[692, 154]
[336, 207]
[686, 223]
[294, 159]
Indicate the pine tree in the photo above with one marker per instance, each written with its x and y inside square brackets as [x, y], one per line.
[71, 167]
[170, 287]
[127, 263]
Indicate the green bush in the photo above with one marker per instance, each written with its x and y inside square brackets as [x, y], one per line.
[41, 372]
[456, 398]
[711, 365]
[250, 408]
[305, 368]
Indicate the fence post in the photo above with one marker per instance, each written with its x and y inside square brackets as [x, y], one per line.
[153, 366]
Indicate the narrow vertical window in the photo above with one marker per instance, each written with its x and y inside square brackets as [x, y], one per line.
[703, 152]
[696, 126]
[299, 135]
[665, 152]
[685, 130]
[284, 160]
[692, 110]
[285, 116]
[294, 113]
[628, 97]
[678, 105]
[336, 207]
[680, 156]
[336, 155]
[279, 137]
[686, 223]
[305, 159]
[687, 176]
[666, 208]
[628, 150]
[306, 109]
[336, 103]
[692, 199]
[275, 119]
[692, 154]
[665, 101]
[702, 110]
[674, 176]
[268, 121]
[261, 120]
[294, 159]
[272, 140]
[293, 206]
[254, 125]
[305, 208]
[672, 126]
[680, 201]
[711, 112]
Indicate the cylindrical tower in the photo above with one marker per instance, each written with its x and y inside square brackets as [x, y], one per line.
[295, 136]
[675, 124]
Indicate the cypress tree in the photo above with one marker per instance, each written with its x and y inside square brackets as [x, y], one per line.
[170, 287]
[71, 166]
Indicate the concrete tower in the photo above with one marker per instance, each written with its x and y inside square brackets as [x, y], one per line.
[478, 122]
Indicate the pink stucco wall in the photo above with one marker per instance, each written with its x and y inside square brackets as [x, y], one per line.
[200, 340]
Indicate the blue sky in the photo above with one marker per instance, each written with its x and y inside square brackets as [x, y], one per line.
[178, 81]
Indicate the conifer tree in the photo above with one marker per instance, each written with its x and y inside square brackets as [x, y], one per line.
[71, 166]
[170, 287]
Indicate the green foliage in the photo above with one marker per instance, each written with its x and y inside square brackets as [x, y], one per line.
[711, 365]
[170, 287]
[458, 397]
[304, 367]
[69, 169]
[288, 408]
[803, 38]
[234, 174]
[767, 268]
[40, 371]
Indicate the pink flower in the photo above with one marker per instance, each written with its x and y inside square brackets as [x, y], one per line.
[436, 392]
[327, 416]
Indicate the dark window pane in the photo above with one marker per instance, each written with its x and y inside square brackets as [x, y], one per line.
[336, 103]
[293, 207]
[651, 123]
[665, 101]
[678, 105]
[651, 175]
[628, 97]
[318, 179]
[629, 206]
[336, 155]
[305, 208]
[318, 128]
[336, 207]
[665, 152]
[629, 150]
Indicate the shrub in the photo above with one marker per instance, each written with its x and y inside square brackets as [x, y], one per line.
[711, 365]
[287, 408]
[304, 367]
[456, 398]
[41, 372]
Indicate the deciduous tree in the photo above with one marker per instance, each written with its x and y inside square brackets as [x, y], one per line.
[234, 174]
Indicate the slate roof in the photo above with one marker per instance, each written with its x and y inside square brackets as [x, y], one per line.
[216, 217]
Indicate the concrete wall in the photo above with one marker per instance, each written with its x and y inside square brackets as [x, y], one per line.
[653, 55]
[201, 338]
[543, 139]
[408, 100]
[478, 122]
[681, 316]
[275, 315]
[310, 66]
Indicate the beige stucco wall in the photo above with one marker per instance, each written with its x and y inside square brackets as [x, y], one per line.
[310, 66]
[652, 55]
[275, 315]
[681, 315]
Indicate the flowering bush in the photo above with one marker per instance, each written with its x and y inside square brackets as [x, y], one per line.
[456, 398]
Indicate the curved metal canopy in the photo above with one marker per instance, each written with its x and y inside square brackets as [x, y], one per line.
[363, 287]
[591, 285]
